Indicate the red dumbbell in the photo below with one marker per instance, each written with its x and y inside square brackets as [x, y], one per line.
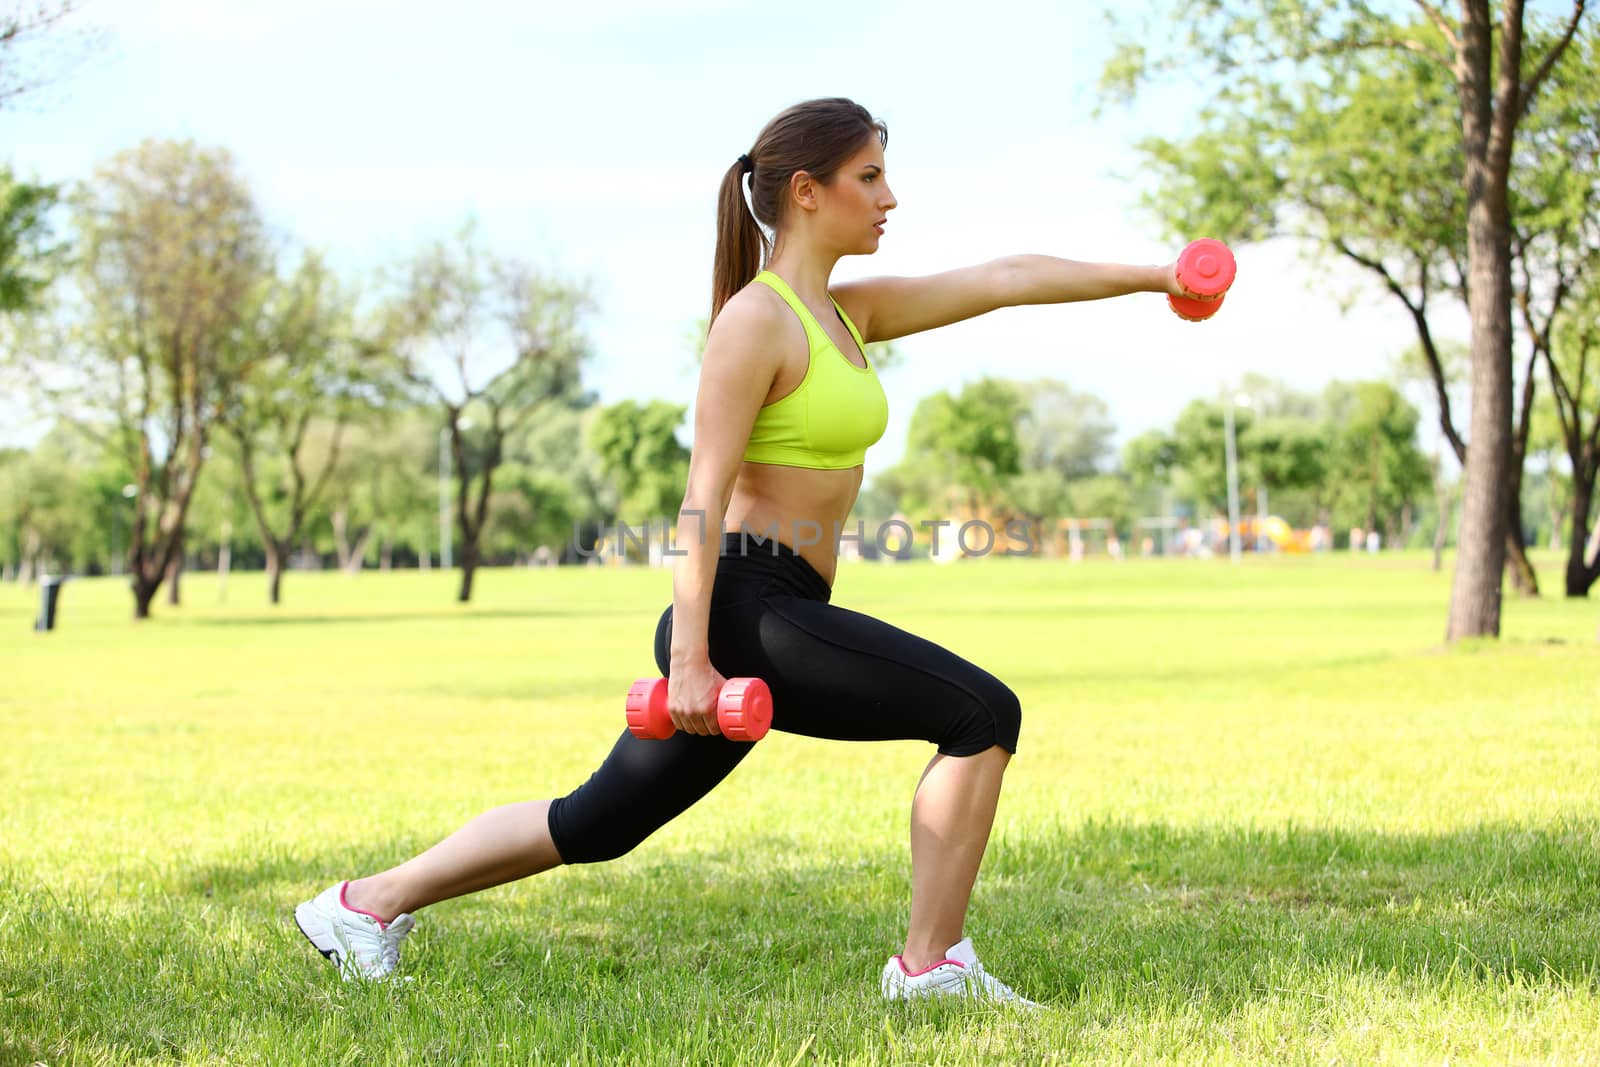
[744, 709]
[1205, 267]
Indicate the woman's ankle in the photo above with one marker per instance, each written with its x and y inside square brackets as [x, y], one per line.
[919, 956]
[363, 895]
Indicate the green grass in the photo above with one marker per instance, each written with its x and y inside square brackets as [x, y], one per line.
[1259, 814]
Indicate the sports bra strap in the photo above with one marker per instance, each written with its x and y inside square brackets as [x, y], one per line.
[781, 287]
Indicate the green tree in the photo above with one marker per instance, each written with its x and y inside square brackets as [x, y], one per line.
[218, 516]
[1282, 61]
[975, 434]
[139, 342]
[311, 376]
[26, 255]
[1063, 430]
[1376, 473]
[27, 258]
[1037, 497]
[1572, 361]
[558, 446]
[46, 508]
[1199, 447]
[641, 456]
[1281, 445]
[1150, 460]
[385, 487]
[1557, 245]
[922, 483]
[533, 509]
[1104, 496]
[491, 342]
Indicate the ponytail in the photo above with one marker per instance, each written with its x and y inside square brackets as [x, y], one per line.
[741, 246]
[818, 137]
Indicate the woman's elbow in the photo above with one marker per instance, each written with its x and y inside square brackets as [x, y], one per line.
[707, 497]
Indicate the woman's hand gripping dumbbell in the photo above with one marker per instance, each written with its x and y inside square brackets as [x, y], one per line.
[744, 710]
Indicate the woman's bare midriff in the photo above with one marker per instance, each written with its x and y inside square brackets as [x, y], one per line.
[805, 505]
[804, 508]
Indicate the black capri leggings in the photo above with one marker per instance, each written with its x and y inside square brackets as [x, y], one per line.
[833, 673]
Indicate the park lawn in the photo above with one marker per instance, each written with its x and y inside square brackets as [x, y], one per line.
[1260, 813]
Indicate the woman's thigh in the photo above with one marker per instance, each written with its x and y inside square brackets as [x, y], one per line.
[841, 674]
[833, 673]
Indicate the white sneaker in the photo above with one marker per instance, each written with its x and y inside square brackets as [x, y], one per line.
[357, 942]
[958, 974]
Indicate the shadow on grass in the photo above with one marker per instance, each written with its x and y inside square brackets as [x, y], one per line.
[465, 613]
[1145, 921]
[1195, 908]
[1161, 674]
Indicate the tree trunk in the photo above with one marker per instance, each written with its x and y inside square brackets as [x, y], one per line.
[277, 552]
[469, 565]
[1523, 577]
[341, 540]
[1583, 554]
[1480, 559]
[1445, 501]
[358, 553]
[143, 593]
[1481, 553]
[350, 556]
[174, 572]
[30, 557]
[472, 525]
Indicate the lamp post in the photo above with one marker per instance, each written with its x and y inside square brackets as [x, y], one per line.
[1261, 515]
[1243, 401]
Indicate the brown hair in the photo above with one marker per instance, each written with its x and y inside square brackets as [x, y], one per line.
[818, 137]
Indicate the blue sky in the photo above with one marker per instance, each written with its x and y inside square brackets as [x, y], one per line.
[590, 138]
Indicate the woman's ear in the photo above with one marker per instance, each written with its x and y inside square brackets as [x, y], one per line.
[804, 190]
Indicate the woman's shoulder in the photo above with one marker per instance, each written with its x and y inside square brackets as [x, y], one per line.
[750, 326]
[755, 312]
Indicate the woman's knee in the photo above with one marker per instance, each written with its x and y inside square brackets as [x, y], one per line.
[1007, 709]
[992, 716]
[585, 835]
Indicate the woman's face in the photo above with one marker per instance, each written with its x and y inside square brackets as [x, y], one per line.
[853, 209]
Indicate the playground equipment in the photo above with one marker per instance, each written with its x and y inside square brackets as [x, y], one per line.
[1287, 538]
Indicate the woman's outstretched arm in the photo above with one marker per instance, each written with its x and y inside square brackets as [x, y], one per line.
[890, 307]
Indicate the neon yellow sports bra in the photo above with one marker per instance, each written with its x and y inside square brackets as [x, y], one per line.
[836, 411]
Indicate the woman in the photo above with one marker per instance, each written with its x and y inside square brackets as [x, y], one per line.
[787, 405]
